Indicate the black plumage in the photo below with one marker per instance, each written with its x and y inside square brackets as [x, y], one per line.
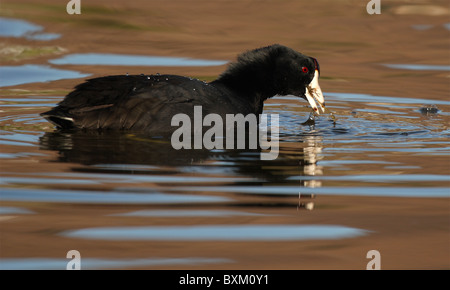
[148, 102]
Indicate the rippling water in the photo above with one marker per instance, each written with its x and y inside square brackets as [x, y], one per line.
[10, 27]
[128, 200]
[378, 146]
[391, 136]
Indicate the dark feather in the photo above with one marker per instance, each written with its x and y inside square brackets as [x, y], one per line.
[148, 103]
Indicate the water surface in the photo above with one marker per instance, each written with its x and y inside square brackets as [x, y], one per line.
[131, 60]
[219, 233]
[10, 27]
[419, 67]
[92, 263]
[118, 192]
[30, 73]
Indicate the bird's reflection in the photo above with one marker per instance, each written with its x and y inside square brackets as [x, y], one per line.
[297, 158]
[89, 148]
[312, 153]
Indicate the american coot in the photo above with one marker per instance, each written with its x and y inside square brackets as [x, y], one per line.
[148, 102]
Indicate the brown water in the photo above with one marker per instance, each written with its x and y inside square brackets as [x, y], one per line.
[125, 187]
[375, 178]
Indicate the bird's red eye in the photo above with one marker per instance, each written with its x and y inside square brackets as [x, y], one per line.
[304, 69]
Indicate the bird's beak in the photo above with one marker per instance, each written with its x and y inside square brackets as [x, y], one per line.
[314, 94]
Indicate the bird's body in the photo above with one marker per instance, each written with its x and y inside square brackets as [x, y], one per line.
[140, 102]
[149, 102]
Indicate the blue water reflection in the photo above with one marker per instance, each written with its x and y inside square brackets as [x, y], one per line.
[131, 60]
[80, 196]
[246, 232]
[17, 28]
[188, 213]
[92, 263]
[31, 73]
[419, 67]
[14, 210]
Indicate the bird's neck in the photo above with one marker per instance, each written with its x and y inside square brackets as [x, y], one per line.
[253, 80]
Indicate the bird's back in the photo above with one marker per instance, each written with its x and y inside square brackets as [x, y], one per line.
[137, 102]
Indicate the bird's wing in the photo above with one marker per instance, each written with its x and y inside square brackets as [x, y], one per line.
[120, 102]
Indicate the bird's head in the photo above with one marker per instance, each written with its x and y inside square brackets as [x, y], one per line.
[297, 74]
[276, 70]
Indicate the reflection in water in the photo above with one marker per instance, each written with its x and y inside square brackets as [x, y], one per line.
[31, 73]
[380, 101]
[311, 155]
[123, 148]
[382, 146]
[219, 233]
[92, 263]
[115, 153]
[99, 197]
[419, 67]
[131, 60]
[373, 135]
[313, 148]
[126, 152]
[14, 210]
[187, 213]
[10, 27]
[378, 146]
